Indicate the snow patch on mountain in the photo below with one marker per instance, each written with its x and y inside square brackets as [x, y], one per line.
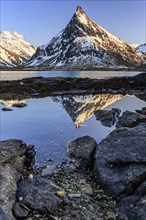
[134, 45]
[14, 49]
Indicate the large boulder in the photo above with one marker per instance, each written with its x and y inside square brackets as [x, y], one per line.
[82, 151]
[12, 159]
[130, 119]
[120, 160]
[38, 194]
[107, 117]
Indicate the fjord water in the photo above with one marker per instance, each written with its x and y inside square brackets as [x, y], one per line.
[18, 75]
[49, 123]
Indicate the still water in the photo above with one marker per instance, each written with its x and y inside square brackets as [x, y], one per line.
[49, 123]
[18, 75]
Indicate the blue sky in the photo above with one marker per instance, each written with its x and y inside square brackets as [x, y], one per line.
[38, 21]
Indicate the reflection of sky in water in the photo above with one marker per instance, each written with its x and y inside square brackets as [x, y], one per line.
[18, 75]
[47, 125]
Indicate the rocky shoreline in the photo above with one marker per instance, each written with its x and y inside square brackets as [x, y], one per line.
[101, 181]
[42, 87]
[105, 181]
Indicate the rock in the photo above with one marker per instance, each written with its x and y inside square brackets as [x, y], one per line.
[134, 206]
[61, 193]
[86, 189]
[130, 119]
[19, 105]
[143, 111]
[120, 160]
[74, 195]
[7, 109]
[21, 83]
[39, 194]
[12, 158]
[107, 117]
[20, 211]
[3, 215]
[82, 151]
[30, 156]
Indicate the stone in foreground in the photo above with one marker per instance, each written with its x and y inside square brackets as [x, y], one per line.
[38, 194]
[82, 151]
[120, 160]
[12, 159]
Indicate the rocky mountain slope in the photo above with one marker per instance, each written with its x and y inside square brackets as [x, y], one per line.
[85, 44]
[14, 50]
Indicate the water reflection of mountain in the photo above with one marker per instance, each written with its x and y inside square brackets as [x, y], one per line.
[10, 103]
[80, 108]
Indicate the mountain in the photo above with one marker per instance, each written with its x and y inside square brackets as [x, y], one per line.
[80, 108]
[14, 50]
[142, 50]
[85, 44]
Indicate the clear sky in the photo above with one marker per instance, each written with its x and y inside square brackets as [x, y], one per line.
[38, 21]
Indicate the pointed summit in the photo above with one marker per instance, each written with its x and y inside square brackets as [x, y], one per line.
[84, 44]
[79, 10]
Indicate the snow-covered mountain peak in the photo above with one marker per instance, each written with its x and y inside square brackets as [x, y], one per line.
[14, 49]
[81, 16]
[84, 44]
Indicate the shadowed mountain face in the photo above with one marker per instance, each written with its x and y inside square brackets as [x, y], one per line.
[14, 50]
[80, 108]
[84, 44]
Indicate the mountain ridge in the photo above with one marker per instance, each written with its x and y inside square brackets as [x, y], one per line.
[15, 50]
[83, 43]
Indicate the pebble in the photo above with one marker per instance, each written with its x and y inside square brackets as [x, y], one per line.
[71, 195]
[61, 193]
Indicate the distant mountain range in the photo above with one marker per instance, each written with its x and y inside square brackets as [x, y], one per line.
[14, 50]
[82, 44]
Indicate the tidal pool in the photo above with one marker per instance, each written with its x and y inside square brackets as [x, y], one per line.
[49, 123]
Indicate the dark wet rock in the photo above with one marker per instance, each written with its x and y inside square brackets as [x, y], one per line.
[38, 194]
[12, 158]
[30, 156]
[20, 211]
[130, 119]
[143, 111]
[107, 117]
[120, 161]
[134, 206]
[82, 151]
[19, 105]
[142, 95]
[7, 109]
